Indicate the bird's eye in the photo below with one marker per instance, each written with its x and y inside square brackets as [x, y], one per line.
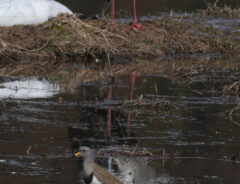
[83, 150]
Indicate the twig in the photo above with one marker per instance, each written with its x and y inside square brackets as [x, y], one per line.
[28, 150]
[230, 115]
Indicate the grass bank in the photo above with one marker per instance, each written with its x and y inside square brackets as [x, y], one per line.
[66, 47]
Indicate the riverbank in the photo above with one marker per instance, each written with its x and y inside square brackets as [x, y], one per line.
[67, 48]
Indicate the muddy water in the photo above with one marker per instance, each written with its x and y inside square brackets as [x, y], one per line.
[38, 135]
[151, 7]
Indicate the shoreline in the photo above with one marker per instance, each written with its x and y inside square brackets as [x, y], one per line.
[66, 47]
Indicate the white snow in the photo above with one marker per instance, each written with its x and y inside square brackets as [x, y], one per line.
[25, 12]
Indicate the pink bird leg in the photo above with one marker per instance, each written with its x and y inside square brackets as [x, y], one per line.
[132, 78]
[109, 114]
[113, 14]
[135, 24]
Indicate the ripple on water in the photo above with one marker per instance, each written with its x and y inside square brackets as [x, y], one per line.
[54, 129]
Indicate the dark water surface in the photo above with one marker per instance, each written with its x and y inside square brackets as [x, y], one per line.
[152, 7]
[55, 126]
[38, 136]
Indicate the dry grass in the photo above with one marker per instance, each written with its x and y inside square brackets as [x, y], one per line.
[216, 11]
[233, 89]
[67, 37]
[52, 49]
[229, 113]
[137, 153]
[62, 36]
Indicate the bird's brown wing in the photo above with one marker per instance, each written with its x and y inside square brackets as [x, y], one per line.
[104, 176]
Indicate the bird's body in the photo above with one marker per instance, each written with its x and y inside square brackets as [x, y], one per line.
[91, 169]
[25, 12]
[104, 176]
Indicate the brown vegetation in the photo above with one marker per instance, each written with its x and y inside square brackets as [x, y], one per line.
[66, 47]
[216, 11]
[69, 37]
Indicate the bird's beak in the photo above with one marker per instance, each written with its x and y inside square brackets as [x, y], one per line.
[78, 154]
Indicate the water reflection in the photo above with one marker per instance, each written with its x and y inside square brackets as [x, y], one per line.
[55, 129]
[135, 171]
[28, 88]
[109, 114]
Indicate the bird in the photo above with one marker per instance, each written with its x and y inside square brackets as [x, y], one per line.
[28, 12]
[134, 24]
[91, 169]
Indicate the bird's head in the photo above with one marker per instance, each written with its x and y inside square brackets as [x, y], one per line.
[84, 152]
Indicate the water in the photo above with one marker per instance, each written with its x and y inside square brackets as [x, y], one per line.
[152, 7]
[39, 135]
[39, 132]
[28, 88]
